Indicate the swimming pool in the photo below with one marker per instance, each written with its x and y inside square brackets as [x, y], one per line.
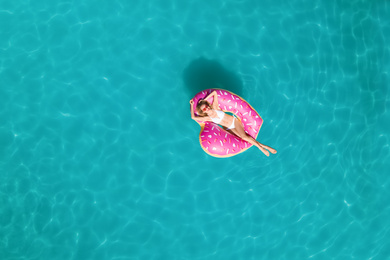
[100, 158]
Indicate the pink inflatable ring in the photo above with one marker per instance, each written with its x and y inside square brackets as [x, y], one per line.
[218, 142]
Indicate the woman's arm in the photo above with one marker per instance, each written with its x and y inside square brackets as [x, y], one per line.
[209, 95]
[215, 100]
[192, 108]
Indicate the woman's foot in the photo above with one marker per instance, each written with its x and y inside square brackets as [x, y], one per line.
[272, 150]
[264, 151]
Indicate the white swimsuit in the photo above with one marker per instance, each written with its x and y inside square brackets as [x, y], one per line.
[220, 115]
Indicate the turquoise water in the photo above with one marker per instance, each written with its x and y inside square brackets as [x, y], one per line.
[101, 160]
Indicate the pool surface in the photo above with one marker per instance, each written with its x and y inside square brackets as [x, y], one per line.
[99, 157]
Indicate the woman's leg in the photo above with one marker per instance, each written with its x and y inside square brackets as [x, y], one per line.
[240, 132]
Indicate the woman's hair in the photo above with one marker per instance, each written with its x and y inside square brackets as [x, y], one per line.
[200, 103]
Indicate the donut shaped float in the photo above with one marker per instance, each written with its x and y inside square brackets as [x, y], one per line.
[218, 142]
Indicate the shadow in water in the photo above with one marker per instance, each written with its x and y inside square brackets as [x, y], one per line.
[204, 74]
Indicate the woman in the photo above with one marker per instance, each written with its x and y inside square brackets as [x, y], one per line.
[211, 113]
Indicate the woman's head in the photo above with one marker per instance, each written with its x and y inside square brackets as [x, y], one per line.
[202, 107]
